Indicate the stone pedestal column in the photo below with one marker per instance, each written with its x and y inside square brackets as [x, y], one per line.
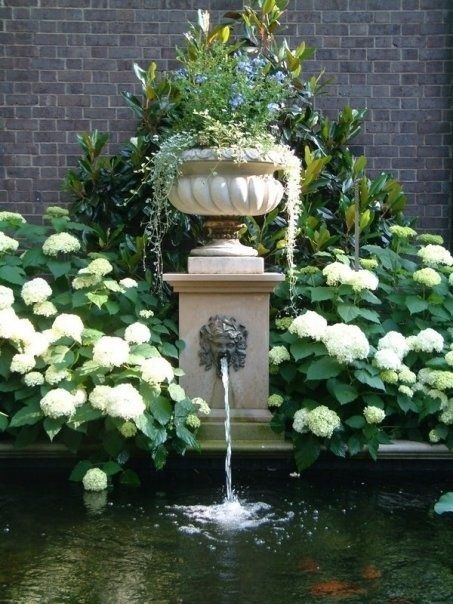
[238, 288]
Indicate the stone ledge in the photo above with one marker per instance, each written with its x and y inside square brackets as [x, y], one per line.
[400, 450]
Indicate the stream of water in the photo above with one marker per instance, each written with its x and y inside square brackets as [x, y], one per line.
[225, 381]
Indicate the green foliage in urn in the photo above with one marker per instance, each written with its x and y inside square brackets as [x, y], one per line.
[87, 358]
[238, 84]
[372, 359]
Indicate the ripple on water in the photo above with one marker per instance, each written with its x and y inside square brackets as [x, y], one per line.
[231, 515]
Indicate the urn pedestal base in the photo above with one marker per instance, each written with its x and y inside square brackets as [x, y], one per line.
[241, 294]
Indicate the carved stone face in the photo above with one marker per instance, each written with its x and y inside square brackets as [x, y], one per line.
[222, 337]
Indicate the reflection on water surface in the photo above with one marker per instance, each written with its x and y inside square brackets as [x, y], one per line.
[284, 541]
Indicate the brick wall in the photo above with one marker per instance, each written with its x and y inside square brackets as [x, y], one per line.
[65, 62]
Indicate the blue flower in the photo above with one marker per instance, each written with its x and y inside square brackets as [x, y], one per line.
[279, 76]
[236, 100]
[199, 79]
[258, 62]
[273, 107]
[181, 73]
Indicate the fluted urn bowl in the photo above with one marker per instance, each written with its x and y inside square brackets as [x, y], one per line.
[219, 184]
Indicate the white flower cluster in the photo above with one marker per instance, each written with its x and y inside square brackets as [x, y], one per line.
[427, 340]
[373, 415]
[440, 380]
[54, 375]
[449, 358]
[123, 401]
[427, 276]
[406, 390]
[67, 325]
[156, 370]
[60, 243]
[387, 359]
[137, 333]
[193, 421]
[110, 351]
[45, 309]
[22, 363]
[322, 421]
[98, 266]
[34, 378]
[406, 376]
[346, 343]
[58, 403]
[12, 217]
[275, 400]
[128, 283]
[309, 325]
[338, 273]
[95, 479]
[84, 281]
[202, 406]
[433, 255]
[300, 421]
[7, 244]
[278, 354]
[403, 232]
[145, 314]
[35, 291]
[6, 297]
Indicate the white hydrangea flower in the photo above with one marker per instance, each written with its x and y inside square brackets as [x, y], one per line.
[387, 359]
[84, 281]
[146, 314]
[449, 358]
[22, 363]
[34, 378]
[60, 243]
[403, 232]
[202, 406]
[309, 325]
[7, 244]
[80, 396]
[36, 290]
[125, 401]
[70, 326]
[278, 354]
[38, 345]
[434, 393]
[363, 279]
[193, 421]
[396, 342]
[127, 283]
[58, 403]
[433, 255]
[99, 267]
[12, 217]
[346, 343]
[300, 421]
[322, 421]
[128, 429]
[337, 273]
[427, 276]
[389, 377]
[446, 417]
[22, 330]
[137, 333]
[7, 320]
[423, 375]
[434, 436]
[54, 375]
[450, 279]
[275, 400]
[369, 263]
[406, 375]
[406, 390]
[440, 380]
[156, 370]
[428, 340]
[6, 297]
[373, 415]
[110, 351]
[56, 212]
[95, 480]
[99, 397]
[50, 335]
[45, 309]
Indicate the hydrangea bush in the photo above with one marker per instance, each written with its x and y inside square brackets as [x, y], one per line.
[84, 357]
[369, 356]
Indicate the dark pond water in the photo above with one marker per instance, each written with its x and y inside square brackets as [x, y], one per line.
[291, 540]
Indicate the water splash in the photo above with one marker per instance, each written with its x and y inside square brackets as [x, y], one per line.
[225, 381]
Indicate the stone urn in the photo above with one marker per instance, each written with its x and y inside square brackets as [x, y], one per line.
[224, 186]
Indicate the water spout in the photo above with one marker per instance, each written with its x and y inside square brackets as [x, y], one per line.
[225, 381]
